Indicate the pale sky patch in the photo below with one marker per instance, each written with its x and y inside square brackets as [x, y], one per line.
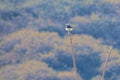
[80, 19]
[113, 1]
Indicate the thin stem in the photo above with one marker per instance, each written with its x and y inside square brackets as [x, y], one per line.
[73, 56]
[106, 61]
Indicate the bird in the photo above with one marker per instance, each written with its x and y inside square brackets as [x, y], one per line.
[68, 27]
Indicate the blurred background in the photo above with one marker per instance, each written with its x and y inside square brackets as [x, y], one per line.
[34, 44]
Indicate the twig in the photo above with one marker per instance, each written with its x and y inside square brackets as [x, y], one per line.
[73, 56]
[106, 61]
